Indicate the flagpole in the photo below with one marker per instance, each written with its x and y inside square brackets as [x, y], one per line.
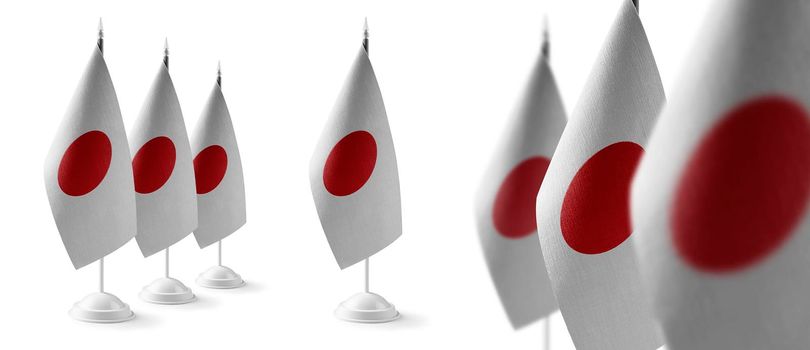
[365, 47]
[100, 41]
[635, 3]
[166, 53]
[219, 253]
[219, 83]
[219, 74]
[166, 63]
[100, 44]
[101, 275]
[545, 51]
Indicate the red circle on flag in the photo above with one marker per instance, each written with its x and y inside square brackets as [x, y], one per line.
[350, 163]
[745, 188]
[513, 212]
[153, 164]
[209, 168]
[85, 163]
[595, 215]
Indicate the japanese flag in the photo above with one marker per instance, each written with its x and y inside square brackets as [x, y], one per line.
[164, 175]
[505, 204]
[583, 209]
[353, 172]
[88, 175]
[218, 170]
[720, 203]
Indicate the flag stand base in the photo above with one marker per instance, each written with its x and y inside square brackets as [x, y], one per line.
[367, 308]
[220, 277]
[167, 290]
[101, 307]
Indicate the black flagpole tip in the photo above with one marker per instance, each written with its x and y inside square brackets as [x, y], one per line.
[546, 45]
[100, 41]
[219, 73]
[365, 34]
[166, 52]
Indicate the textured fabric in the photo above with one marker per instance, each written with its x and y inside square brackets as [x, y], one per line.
[220, 195]
[720, 203]
[583, 210]
[506, 201]
[169, 213]
[95, 223]
[353, 171]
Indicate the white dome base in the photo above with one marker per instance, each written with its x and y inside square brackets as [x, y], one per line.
[101, 308]
[367, 308]
[220, 277]
[168, 291]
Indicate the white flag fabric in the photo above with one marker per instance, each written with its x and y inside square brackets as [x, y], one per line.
[583, 209]
[505, 203]
[162, 164]
[353, 172]
[88, 174]
[218, 171]
[720, 202]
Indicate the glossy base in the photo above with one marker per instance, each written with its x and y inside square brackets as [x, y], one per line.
[367, 308]
[101, 308]
[220, 277]
[167, 291]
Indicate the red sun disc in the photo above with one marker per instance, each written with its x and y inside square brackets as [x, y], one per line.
[595, 216]
[153, 164]
[350, 163]
[85, 163]
[745, 187]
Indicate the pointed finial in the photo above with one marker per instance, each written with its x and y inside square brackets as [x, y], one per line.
[365, 34]
[219, 73]
[365, 26]
[166, 52]
[100, 41]
[544, 50]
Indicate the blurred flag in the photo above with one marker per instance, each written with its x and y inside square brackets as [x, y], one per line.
[583, 209]
[353, 172]
[218, 171]
[164, 176]
[720, 202]
[505, 205]
[88, 175]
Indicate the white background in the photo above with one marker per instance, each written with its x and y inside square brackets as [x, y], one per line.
[449, 71]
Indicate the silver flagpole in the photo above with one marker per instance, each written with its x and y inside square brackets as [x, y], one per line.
[100, 44]
[166, 63]
[365, 47]
[545, 51]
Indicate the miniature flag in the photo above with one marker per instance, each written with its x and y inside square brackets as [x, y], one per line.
[88, 175]
[353, 172]
[721, 202]
[164, 175]
[218, 170]
[583, 209]
[505, 204]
